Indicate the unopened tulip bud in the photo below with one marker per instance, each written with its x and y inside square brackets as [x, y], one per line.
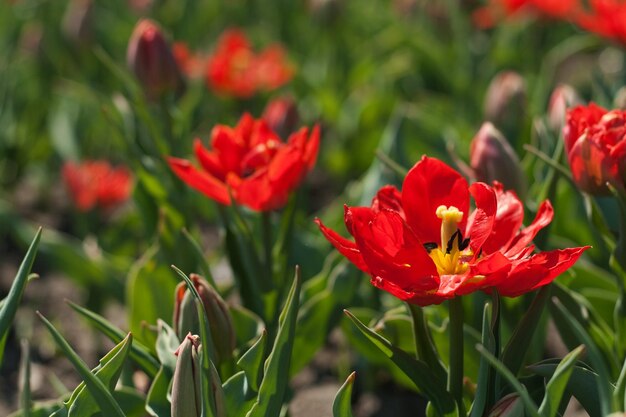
[78, 21]
[281, 115]
[150, 58]
[563, 97]
[493, 159]
[220, 320]
[505, 101]
[509, 405]
[186, 385]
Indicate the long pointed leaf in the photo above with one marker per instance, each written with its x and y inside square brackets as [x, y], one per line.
[418, 371]
[101, 394]
[252, 362]
[515, 350]
[557, 384]
[485, 382]
[274, 384]
[342, 405]
[138, 352]
[595, 357]
[12, 300]
[531, 408]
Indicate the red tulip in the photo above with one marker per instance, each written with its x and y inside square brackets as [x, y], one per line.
[150, 58]
[97, 184]
[487, 16]
[595, 142]
[251, 163]
[235, 69]
[424, 246]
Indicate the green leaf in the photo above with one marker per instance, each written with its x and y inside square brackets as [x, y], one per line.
[276, 377]
[12, 300]
[149, 293]
[247, 323]
[197, 250]
[530, 406]
[95, 386]
[44, 409]
[424, 343]
[595, 356]
[342, 406]
[556, 385]
[485, 383]
[582, 383]
[239, 397]
[139, 353]
[252, 362]
[131, 401]
[418, 371]
[515, 351]
[157, 403]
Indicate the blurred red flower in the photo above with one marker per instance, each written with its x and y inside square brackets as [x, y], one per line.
[251, 163]
[488, 16]
[235, 69]
[595, 142]
[607, 18]
[97, 184]
[424, 246]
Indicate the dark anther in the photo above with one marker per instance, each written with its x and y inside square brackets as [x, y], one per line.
[430, 246]
[463, 243]
[451, 241]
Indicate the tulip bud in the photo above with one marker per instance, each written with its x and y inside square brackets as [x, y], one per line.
[220, 320]
[150, 58]
[78, 21]
[619, 102]
[505, 102]
[493, 159]
[563, 97]
[509, 405]
[281, 115]
[186, 385]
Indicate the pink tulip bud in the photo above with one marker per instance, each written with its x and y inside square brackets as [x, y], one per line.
[505, 101]
[281, 115]
[509, 405]
[150, 58]
[563, 97]
[493, 159]
[186, 385]
[78, 21]
[220, 320]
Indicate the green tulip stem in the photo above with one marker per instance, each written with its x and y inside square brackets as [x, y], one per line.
[455, 374]
[424, 344]
[266, 225]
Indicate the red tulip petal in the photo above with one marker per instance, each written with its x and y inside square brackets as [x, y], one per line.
[209, 160]
[592, 166]
[228, 147]
[509, 219]
[199, 180]
[346, 247]
[482, 218]
[429, 184]
[538, 270]
[391, 250]
[420, 298]
[257, 193]
[312, 148]
[526, 236]
[388, 198]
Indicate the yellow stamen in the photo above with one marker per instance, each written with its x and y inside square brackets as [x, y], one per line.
[452, 261]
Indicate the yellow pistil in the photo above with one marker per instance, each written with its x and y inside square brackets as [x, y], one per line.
[447, 257]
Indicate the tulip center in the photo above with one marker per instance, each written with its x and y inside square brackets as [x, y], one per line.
[451, 255]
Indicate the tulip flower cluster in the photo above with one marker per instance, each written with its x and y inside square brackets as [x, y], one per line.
[238, 272]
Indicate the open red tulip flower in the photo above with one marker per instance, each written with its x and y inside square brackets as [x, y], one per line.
[236, 69]
[423, 245]
[250, 163]
[97, 184]
[595, 142]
